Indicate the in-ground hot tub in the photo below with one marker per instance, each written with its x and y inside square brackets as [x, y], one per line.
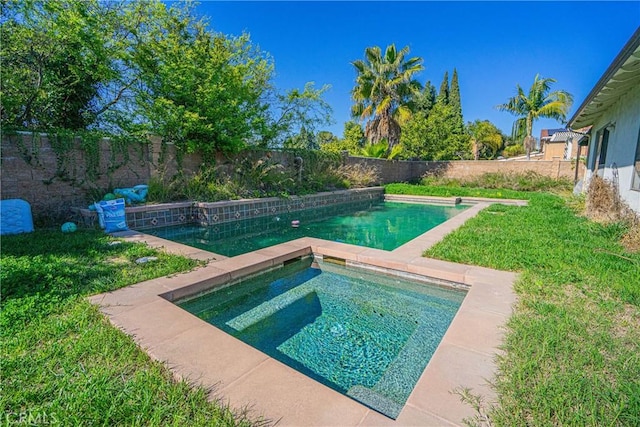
[367, 335]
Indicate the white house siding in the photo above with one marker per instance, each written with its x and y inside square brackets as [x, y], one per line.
[623, 140]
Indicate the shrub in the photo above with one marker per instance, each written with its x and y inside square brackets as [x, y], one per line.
[358, 175]
[253, 174]
[526, 181]
[513, 150]
[160, 191]
[604, 204]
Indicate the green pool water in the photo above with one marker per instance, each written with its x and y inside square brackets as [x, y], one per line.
[368, 336]
[383, 225]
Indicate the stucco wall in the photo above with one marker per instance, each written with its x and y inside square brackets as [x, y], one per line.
[623, 140]
[554, 150]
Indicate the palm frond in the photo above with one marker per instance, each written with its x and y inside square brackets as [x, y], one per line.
[390, 54]
[373, 55]
[367, 111]
[384, 105]
[403, 114]
[395, 152]
[554, 110]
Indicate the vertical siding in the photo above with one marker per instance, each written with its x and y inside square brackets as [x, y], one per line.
[623, 140]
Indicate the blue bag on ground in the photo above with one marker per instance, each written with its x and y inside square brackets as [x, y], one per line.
[112, 215]
[15, 217]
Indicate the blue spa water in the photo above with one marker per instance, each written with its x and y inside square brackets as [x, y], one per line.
[367, 336]
[383, 225]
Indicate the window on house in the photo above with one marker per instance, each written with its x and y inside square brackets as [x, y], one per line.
[598, 157]
[602, 149]
[635, 182]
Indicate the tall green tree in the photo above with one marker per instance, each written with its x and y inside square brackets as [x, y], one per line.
[455, 101]
[143, 66]
[352, 140]
[297, 109]
[486, 139]
[435, 137]
[385, 85]
[200, 89]
[353, 135]
[439, 133]
[417, 145]
[325, 137]
[538, 102]
[304, 140]
[443, 95]
[56, 58]
[425, 100]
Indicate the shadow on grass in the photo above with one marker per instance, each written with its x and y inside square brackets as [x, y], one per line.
[46, 268]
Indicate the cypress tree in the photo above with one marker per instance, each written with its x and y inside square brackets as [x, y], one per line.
[443, 95]
[454, 100]
[454, 93]
[425, 100]
[429, 94]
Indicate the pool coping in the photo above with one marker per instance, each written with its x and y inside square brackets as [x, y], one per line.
[246, 378]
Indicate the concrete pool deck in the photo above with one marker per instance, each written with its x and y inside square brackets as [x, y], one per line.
[246, 378]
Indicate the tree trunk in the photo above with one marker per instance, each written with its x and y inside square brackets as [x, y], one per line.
[476, 149]
[527, 140]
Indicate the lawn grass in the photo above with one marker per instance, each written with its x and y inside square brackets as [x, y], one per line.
[450, 191]
[494, 185]
[572, 347]
[61, 361]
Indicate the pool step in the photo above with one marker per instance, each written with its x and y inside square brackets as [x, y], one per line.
[376, 401]
[400, 377]
[269, 308]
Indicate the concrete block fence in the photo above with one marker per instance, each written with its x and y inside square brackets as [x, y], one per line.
[30, 170]
[409, 171]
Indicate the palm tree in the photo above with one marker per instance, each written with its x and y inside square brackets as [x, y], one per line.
[381, 150]
[383, 91]
[538, 103]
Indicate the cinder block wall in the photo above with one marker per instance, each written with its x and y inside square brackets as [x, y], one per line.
[409, 171]
[53, 183]
[33, 171]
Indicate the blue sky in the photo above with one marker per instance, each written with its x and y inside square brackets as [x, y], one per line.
[493, 45]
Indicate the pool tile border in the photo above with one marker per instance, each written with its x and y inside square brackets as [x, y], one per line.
[245, 377]
[219, 213]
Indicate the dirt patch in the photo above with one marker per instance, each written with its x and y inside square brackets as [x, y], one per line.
[119, 260]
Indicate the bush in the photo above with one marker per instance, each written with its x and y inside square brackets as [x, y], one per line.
[255, 174]
[604, 204]
[160, 191]
[526, 181]
[358, 175]
[513, 150]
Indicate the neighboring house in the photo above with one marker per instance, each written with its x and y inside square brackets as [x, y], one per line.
[613, 109]
[545, 136]
[563, 145]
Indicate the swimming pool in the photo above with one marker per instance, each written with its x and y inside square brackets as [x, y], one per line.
[382, 225]
[367, 336]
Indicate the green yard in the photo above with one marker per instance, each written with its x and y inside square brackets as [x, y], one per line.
[572, 350]
[62, 362]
